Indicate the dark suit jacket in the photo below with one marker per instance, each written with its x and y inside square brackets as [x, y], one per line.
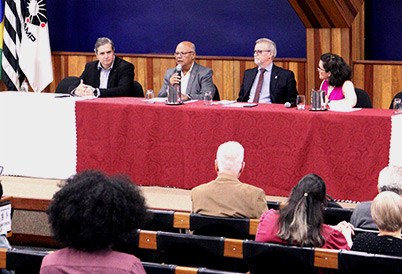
[282, 86]
[120, 82]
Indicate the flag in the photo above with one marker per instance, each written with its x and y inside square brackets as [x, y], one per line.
[1, 30]
[35, 57]
[13, 22]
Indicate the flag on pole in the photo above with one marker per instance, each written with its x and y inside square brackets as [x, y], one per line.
[1, 30]
[35, 57]
[13, 22]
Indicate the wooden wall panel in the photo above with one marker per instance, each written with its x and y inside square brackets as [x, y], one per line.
[380, 79]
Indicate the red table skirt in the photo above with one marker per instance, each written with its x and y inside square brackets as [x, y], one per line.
[175, 146]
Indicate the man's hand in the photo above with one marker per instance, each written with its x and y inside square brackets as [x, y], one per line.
[184, 97]
[175, 79]
[84, 90]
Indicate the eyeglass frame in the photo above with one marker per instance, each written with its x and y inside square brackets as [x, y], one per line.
[182, 53]
[259, 51]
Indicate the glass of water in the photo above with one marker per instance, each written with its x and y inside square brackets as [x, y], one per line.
[208, 98]
[397, 105]
[301, 102]
[149, 96]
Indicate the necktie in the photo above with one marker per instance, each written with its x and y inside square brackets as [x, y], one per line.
[259, 86]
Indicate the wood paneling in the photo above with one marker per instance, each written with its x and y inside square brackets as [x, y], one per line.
[381, 80]
[327, 14]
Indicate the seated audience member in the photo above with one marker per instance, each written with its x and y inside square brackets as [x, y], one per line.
[387, 214]
[267, 83]
[335, 75]
[389, 179]
[89, 215]
[110, 76]
[3, 238]
[301, 221]
[226, 196]
[195, 79]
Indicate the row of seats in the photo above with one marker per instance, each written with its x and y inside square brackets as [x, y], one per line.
[29, 261]
[238, 228]
[247, 255]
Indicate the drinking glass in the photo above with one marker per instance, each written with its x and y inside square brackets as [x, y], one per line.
[149, 96]
[208, 98]
[301, 102]
[397, 105]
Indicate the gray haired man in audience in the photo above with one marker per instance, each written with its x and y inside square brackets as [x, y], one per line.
[226, 196]
[389, 179]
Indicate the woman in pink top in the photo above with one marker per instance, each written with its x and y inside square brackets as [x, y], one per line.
[301, 221]
[336, 74]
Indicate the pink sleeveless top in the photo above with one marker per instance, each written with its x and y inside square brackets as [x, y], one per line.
[336, 93]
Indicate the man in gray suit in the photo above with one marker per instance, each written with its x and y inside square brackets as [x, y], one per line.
[389, 179]
[195, 79]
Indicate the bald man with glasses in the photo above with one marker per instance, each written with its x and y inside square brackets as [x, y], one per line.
[195, 79]
[267, 83]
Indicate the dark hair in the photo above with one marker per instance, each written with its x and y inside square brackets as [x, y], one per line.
[93, 211]
[301, 220]
[340, 71]
[103, 41]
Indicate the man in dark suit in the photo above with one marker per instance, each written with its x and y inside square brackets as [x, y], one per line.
[110, 76]
[267, 83]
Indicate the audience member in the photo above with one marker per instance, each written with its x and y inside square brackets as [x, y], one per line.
[195, 79]
[226, 196]
[3, 237]
[336, 74]
[301, 221]
[110, 76]
[386, 210]
[267, 83]
[89, 215]
[389, 179]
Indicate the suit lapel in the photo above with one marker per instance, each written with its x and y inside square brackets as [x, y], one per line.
[273, 82]
[249, 82]
[193, 73]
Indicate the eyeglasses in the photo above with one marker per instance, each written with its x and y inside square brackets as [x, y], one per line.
[320, 69]
[182, 53]
[258, 52]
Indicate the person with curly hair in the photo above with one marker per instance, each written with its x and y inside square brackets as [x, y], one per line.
[89, 215]
[335, 75]
[300, 223]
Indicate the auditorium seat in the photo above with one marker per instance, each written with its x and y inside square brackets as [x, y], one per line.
[277, 258]
[216, 95]
[137, 90]
[361, 262]
[67, 82]
[236, 228]
[363, 99]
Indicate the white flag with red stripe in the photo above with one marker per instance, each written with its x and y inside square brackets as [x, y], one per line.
[35, 54]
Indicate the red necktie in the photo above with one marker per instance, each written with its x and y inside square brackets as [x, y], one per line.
[259, 86]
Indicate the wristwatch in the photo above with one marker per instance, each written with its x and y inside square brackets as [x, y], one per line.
[189, 97]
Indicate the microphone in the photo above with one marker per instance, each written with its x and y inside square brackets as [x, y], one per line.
[178, 69]
[289, 105]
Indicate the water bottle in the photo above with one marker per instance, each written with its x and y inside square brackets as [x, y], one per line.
[24, 86]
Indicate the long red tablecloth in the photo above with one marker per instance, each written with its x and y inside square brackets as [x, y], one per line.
[176, 146]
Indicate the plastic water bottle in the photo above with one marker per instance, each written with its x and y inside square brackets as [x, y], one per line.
[24, 86]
